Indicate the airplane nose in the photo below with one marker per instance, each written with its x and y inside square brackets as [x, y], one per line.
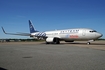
[99, 35]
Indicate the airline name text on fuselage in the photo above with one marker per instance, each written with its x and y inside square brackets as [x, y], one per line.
[69, 31]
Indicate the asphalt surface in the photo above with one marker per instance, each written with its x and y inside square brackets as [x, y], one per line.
[50, 57]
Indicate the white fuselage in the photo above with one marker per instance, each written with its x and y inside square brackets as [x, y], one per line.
[73, 34]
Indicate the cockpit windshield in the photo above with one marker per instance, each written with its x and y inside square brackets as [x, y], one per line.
[93, 31]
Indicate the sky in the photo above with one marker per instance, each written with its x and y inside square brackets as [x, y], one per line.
[50, 15]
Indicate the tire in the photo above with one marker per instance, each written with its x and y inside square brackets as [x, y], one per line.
[47, 43]
[88, 43]
[56, 41]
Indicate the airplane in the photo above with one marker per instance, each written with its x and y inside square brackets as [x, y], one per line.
[67, 35]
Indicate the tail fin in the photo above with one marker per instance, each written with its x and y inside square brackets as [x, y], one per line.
[32, 30]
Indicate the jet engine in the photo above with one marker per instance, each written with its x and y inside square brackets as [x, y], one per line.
[49, 39]
[52, 40]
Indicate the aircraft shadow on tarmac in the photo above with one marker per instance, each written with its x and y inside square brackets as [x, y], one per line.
[77, 43]
[86, 44]
[2, 68]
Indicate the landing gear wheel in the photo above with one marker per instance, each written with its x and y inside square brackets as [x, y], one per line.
[56, 41]
[88, 43]
[47, 43]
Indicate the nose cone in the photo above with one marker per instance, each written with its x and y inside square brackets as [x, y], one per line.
[99, 35]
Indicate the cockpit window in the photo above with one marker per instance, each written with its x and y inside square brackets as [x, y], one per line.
[93, 31]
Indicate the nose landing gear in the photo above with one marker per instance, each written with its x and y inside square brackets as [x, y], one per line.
[88, 43]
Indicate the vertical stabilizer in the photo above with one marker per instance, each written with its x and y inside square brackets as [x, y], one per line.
[31, 27]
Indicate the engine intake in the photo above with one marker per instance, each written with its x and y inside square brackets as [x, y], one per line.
[49, 39]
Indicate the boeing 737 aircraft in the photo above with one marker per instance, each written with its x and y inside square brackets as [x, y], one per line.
[67, 35]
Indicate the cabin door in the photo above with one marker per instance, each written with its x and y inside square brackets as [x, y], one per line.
[84, 32]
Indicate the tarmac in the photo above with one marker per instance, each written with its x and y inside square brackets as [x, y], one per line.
[65, 56]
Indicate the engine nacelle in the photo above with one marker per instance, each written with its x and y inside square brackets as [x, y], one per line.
[49, 39]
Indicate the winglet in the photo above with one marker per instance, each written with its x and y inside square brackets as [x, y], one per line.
[3, 30]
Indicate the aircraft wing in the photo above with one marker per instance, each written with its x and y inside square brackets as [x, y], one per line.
[21, 34]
